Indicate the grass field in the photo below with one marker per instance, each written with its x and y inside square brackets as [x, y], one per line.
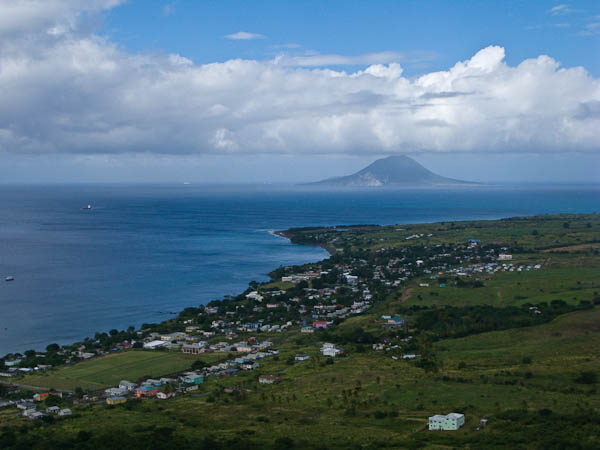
[334, 406]
[109, 370]
[570, 284]
[539, 232]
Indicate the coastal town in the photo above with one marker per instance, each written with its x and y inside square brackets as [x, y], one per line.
[311, 300]
[377, 302]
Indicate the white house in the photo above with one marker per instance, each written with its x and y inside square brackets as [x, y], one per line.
[152, 345]
[268, 379]
[165, 395]
[452, 421]
[128, 385]
[254, 295]
[116, 391]
[351, 279]
[249, 365]
[193, 349]
[329, 349]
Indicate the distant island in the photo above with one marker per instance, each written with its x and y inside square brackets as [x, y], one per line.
[393, 171]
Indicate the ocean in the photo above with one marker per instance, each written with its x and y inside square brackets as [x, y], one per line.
[144, 252]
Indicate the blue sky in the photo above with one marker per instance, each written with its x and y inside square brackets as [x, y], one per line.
[275, 91]
[433, 34]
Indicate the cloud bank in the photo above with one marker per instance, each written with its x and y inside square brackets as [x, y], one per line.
[65, 89]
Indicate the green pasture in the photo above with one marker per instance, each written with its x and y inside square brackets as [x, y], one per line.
[569, 284]
[107, 371]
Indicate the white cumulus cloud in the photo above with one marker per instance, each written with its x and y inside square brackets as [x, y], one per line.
[73, 92]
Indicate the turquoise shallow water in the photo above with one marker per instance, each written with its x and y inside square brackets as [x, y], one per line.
[145, 252]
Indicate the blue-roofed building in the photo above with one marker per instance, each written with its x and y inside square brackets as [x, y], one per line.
[395, 322]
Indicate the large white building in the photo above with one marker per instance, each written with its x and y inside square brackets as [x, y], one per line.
[452, 421]
[152, 345]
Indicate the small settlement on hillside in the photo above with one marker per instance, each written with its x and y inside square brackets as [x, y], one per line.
[313, 298]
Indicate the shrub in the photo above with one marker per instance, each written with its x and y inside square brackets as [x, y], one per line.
[284, 443]
[380, 415]
[587, 377]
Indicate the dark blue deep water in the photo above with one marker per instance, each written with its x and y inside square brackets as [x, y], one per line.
[144, 252]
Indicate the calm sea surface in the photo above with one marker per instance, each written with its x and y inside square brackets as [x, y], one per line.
[145, 252]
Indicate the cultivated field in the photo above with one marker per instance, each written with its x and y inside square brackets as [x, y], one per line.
[109, 370]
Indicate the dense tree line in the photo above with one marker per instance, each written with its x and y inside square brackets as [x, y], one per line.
[452, 321]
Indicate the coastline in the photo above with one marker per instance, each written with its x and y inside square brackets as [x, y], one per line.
[192, 279]
[287, 234]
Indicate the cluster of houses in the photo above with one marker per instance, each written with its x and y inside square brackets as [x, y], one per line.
[492, 268]
[31, 409]
[297, 278]
[163, 388]
[246, 362]
[12, 369]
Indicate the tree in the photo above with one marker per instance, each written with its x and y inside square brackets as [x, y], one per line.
[587, 377]
[199, 365]
[284, 443]
[78, 392]
[53, 400]
[84, 435]
[52, 348]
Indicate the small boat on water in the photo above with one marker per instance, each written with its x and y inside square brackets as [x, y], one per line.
[9, 278]
[87, 208]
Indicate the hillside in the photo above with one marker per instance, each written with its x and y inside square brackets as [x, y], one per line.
[513, 341]
[399, 171]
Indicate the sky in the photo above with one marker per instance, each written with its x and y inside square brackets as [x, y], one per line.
[290, 91]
